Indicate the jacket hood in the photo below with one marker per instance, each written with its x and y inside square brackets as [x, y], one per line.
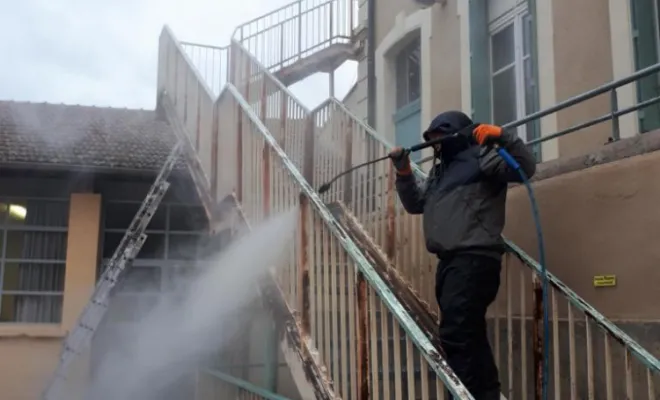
[448, 123]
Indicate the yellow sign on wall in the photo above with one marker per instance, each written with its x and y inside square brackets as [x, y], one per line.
[604, 280]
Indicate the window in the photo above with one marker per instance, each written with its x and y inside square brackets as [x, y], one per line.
[512, 80]
[33, 241]
[408, 74]
[175, 238]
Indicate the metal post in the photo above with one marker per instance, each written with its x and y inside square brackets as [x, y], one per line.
[537, 336]
[391, 214]
[299, 29]
[363, 345]
[614, 107]
[332, 83]
[303, 267]
[348, 162]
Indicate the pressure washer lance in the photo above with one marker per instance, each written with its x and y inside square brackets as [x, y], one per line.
[326, 186]
[508, 158]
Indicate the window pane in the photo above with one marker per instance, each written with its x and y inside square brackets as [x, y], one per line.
[33, 277]
[52, 213]
[504, 97]
[502, 44]
[401, 81]
[414, 73]
[4, 211]
[31, 309]
[408, 74]
[141, 279]
[153, 248]
[187, 218]
[120, 215]
[131, 307]
[110, 243]
[183, 247]
[29, 245]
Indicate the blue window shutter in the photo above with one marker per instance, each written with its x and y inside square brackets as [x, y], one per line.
[646, 54]
[407, 122]
[480, 61]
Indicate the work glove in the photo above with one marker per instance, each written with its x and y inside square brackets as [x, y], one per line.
[401, 161]
[485, 134]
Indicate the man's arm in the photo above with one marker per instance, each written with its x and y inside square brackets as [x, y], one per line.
[410, 193]
[493, 165]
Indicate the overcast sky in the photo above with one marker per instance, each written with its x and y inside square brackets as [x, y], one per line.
[104, 53]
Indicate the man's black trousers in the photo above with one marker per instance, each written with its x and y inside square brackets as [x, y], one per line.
[466, 285]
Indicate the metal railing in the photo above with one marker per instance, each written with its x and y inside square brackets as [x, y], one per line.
[577, 347]
[341, 302]
[613, 116]
[341, 140]
[297, 30]
[212, 385]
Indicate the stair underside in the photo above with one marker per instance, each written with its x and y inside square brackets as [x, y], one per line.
[324, 60]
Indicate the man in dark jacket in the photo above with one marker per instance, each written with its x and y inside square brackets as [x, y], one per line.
[463, 202]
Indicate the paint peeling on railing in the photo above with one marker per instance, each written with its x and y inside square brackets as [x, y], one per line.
[615, 332]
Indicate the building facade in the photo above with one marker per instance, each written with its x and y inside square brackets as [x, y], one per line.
[500, 60]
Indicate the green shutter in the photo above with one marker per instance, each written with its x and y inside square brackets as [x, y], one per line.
[646, 54]
[480, 61]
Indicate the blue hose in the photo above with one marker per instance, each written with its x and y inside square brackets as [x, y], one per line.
[539, 234]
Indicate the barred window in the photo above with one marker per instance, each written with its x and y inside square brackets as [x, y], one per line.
[33, 244]
[175, 241]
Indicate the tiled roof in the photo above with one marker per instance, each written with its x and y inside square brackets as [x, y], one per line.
[82, 136]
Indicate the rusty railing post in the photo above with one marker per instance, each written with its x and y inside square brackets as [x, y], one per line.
[390, 248]
[537, 336]
[348, 162]
[308, 161]
[362, 336]
[283, 117]
[303, 267]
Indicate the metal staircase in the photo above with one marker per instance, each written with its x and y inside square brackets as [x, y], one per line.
[361, 276]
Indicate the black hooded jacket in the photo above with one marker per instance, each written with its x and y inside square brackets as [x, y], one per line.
[464, 197]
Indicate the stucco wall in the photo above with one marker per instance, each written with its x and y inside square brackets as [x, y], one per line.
[29, 353]
[583, 61]
[599, 221]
